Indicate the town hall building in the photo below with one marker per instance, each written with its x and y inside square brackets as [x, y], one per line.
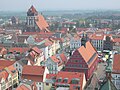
[83, 59]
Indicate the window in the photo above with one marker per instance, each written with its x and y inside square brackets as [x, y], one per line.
[76, 61]
[47, 84]
[40, 88]
[59, 80]
[53, 84]
[16, 65]
[65, 80]
[80, 65]
[75, 81]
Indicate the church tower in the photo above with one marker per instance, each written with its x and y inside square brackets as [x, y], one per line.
[35, 22]
[32, 16]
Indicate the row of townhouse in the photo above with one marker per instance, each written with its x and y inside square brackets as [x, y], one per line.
[84, 59]
[100, 41]
[105, 42]
[33, 56]
[38, 78]
[55, 63]
[75, 42]
[8, 75]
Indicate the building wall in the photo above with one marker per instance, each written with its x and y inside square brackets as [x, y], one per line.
[19, 69]
[84, 82]
[76, 63]
[31, 40]
[47, 86]
[74, 44]
[34, 78]
[92, 68]
[46, 52]
[12, 80]
[40, 85]
[50, 51]
[98, 44]
[116, 80]
[117, 48]
[52, 66]
[45, 73]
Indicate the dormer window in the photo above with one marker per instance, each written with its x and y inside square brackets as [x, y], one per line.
[59, 79]
[65, 80]
[75, 81]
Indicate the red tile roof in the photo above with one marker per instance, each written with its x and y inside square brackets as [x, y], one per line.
[33, 70]
[49, 76]
[55, 59]
[18, 49]
[63, 58]
[97, 37]
[6, 63]
[3, 51]
[37, 50]
[48, 42]
[4, 74]
[69, 76]
[11, 69]
[82, 29]
[42, 24]
[116, 40]
[32, 54]
[22, 87]
[34, 73]
[87, 52]
[116, 63]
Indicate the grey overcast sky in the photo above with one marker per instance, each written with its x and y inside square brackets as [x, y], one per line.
[23, 5]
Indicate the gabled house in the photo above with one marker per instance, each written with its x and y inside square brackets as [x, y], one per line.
[116, 71]
[8, 75]
[27, 85]
[36, 74]
[36, 55]
[99, 41]
[14, 52]
[75, 42]
[20, 64]
[65, 81]
[84, 59]
[3, 51]
[52, 64]
[116, 44]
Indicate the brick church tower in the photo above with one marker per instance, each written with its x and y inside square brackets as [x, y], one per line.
[35, 22]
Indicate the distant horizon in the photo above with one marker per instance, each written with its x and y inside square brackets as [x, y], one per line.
[57, 5]
[49, 10]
